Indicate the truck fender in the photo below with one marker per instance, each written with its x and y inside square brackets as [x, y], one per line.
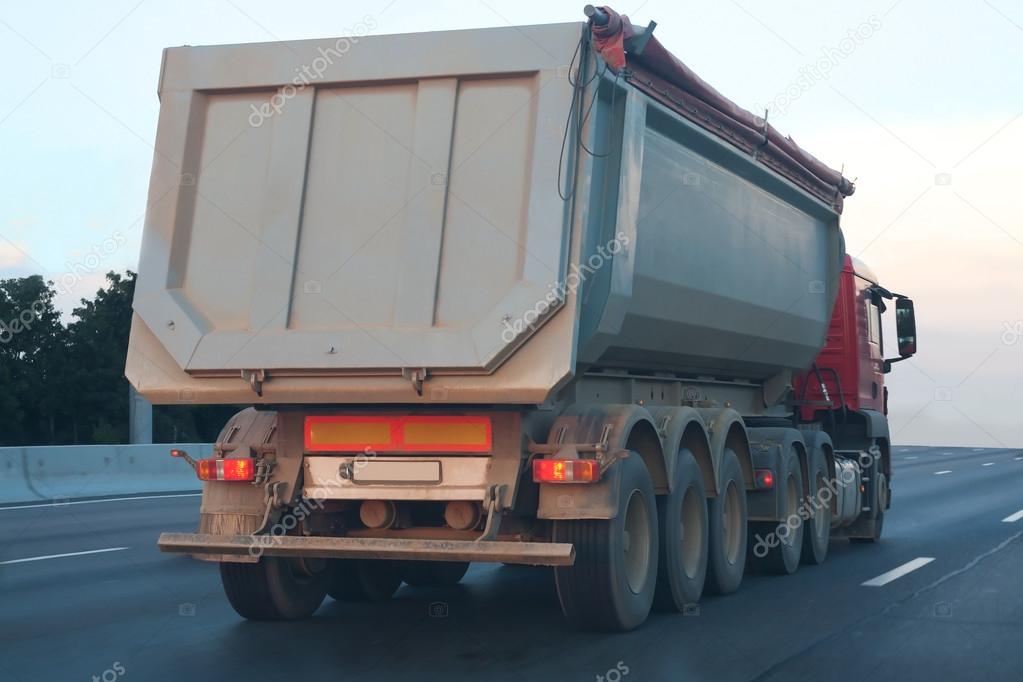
[768, 445]
[876, 425]
[623, 427]
[726, 429]
[239, 509]
[683, 427]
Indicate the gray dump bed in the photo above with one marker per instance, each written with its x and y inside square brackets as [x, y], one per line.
[407, 225]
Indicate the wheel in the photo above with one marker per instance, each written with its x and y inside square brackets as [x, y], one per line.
[682, 521]
[727, 519]
[818, 526]
[363, 580]
[778, 547]
[611, 585]
[275, 588]
[433, 573]
[869, 530]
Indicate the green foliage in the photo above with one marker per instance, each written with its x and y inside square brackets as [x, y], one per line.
[64, 384]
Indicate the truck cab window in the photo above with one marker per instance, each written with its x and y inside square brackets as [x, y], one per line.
[874, 323]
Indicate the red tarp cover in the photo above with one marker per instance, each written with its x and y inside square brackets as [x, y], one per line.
[664, 77]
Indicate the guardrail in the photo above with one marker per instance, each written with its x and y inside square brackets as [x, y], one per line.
[66, 472]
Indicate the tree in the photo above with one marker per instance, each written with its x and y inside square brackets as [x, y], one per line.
[32, 356]
[65, 384]
[98, 344]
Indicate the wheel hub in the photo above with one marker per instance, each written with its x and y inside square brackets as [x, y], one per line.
[636, 542]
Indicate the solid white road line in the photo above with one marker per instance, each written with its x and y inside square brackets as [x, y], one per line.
[110, 499]
[988, 464]
[1013, 518]
[939, 473]
[61, 556]
[897, 573]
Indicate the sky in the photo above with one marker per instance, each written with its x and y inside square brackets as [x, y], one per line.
[920, 102]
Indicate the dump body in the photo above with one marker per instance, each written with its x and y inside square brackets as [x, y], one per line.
[407, 226]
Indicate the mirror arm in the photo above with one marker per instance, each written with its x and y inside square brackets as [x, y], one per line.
[890, 361]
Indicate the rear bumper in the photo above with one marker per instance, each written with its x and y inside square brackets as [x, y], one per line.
[247, 547]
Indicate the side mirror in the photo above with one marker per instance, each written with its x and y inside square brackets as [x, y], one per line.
[905, 326]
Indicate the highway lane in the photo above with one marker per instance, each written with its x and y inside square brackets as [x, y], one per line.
[137, 614]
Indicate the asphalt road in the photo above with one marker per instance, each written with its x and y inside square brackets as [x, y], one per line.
[136, 614]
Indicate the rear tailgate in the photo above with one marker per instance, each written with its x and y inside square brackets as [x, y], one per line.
[391, 211]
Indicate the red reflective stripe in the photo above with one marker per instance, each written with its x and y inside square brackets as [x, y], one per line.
[397, 441]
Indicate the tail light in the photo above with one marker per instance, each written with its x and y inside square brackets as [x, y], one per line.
[566, 470]
[764, 479]
[239, 469]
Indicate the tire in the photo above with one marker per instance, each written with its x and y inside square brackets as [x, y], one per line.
[727, 521]
[818, 527]
[782, 554]
[869, 530]
[434, 573]
[611, 586]
[682, 521]
[363, 580]
[275, 588]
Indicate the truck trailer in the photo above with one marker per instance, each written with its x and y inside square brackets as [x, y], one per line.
[532, 294]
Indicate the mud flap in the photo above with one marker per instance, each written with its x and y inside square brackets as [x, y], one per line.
[230, 508]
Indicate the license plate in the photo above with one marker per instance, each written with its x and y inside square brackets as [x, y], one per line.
[405, 472]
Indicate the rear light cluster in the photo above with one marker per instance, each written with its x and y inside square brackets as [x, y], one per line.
[216, 469]
[566, 470]
[240, 469]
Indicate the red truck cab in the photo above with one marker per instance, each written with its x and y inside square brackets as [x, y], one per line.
[848, 374]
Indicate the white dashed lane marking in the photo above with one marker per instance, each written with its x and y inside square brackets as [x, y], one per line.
[103, 501]
[61, 556]
[897, 573]
[1014, 517]
[940, 473]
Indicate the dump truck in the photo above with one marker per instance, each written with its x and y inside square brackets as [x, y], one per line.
[533, 295]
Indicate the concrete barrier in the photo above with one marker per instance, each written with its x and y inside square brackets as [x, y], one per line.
[66, 472]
